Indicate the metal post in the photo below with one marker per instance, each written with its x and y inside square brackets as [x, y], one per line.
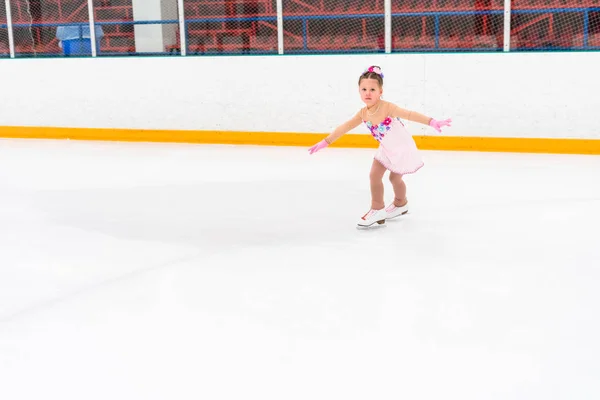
[9, 26]
[305, 34]
[586, 27]
[436, 28]
[507, 14]
[182, 30]
[92, 27]
[387, 16]
[280, 26]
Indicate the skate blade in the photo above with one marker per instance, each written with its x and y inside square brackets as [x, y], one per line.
[374, 225]
[397, 216]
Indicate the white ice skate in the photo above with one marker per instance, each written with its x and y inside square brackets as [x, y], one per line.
[392, 211]
[372, 217]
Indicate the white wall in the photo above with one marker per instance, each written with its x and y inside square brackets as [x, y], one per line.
[154, 37]
[513, 95]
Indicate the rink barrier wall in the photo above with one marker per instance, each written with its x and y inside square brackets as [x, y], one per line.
[448, 143]
[516, 102]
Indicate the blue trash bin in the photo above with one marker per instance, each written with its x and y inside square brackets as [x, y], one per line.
[75, 39]
[79, 47]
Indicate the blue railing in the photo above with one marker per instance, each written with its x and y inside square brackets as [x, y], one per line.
[305, 19]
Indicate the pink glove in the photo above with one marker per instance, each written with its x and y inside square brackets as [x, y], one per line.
[437, 125]
[322, 144]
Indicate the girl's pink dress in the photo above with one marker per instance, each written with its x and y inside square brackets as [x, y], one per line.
[397, 149]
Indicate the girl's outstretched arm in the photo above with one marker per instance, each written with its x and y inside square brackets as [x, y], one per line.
[337, 133]
[410, 115]
[344, 128]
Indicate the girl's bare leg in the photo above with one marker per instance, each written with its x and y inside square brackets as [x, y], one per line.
[399, 189]
[376, 176]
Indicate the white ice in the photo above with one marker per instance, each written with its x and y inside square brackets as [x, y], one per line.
[177, 271]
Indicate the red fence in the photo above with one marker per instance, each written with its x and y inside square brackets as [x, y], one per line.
[322, 25]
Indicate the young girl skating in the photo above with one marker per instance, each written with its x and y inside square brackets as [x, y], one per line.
[397, 150]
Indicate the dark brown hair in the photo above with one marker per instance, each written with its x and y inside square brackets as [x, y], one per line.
[372, 75]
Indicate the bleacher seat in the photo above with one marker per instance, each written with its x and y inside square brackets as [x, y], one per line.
[541, 4]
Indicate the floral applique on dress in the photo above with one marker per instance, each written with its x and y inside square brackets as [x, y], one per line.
[379, 131]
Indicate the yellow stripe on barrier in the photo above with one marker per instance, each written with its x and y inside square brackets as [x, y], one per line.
[448, 143]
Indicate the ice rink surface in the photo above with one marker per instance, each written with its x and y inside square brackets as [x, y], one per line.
[172, 271]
